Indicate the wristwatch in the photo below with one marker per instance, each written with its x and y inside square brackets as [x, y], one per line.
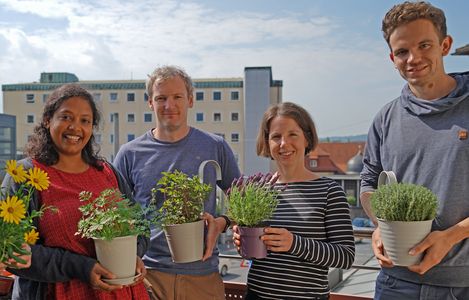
[228, 222]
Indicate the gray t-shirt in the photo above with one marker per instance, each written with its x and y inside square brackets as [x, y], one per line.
[141, 162]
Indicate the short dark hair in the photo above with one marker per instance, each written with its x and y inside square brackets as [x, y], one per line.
[407, 12]
[41, 147]
[290, 110]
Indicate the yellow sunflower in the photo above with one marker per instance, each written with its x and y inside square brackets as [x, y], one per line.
[31, 237]
[12, 210]
[16, 171]
[38, 179]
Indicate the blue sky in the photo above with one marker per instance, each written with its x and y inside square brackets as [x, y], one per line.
[330, 54]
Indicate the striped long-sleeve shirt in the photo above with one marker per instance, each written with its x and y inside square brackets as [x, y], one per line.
[317, 214]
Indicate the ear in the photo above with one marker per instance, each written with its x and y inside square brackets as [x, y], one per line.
[446, 45]
[47, 124]
[191, 100]
[391, 56]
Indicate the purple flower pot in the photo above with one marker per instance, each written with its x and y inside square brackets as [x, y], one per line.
[251, 243]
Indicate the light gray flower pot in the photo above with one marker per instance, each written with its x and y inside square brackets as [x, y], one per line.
[118, 255]
[185, 241]
[399, 237]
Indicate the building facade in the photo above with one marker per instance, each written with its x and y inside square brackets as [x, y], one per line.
[229, 107]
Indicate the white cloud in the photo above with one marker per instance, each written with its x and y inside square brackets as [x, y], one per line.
[112, 39]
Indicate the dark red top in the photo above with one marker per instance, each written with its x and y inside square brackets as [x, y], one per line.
[58, 229]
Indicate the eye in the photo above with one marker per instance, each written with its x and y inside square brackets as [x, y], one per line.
[425, 46]
[65, 117]
[86, 121]
[400, 53]
[160, 99]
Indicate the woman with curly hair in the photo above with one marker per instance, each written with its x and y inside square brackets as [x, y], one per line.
[64, 265]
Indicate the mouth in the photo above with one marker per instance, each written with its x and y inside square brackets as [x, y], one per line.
[416, 69]
[72, 138]
[286, 153]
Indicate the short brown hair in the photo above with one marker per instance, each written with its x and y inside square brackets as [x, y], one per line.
[164, 73]
[289, 110]
[407, 12]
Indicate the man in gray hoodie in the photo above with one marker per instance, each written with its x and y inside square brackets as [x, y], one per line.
[423, 137]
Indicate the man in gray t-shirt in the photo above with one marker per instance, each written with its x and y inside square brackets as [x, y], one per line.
[174, 145]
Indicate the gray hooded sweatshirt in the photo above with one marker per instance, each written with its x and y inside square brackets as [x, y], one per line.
[427, 143]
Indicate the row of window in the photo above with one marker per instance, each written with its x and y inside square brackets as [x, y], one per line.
[200, 117]
[130, 136]
[147, 118]
[113, 96]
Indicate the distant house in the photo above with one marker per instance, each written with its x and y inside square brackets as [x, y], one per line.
[342, 162]
[336, 158]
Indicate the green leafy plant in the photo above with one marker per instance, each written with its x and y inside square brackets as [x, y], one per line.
[352, 200]
[16, 223]
[184, 198]
[404, 202]
[111, 215]
[253, 200]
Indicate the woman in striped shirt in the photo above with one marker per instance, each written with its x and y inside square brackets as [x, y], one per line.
[310, 229]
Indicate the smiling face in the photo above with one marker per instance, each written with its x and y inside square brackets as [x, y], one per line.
[417, 53]
[71, 126]
[170, 102]
[287, 142]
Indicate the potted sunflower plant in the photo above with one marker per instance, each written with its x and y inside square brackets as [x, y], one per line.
[113, 222]
[180, 213]
[405, 213]
[251, 202]
[16, 221]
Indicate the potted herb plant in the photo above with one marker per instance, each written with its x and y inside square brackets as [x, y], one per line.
[251, 202]
[114, 223]
[405, 213]
[180, 214]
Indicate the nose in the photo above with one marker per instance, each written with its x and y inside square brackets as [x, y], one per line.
[169, 103]
[414, 56]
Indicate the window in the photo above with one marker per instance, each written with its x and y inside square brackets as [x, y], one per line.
[234, 95]
[199, 96]
[113, 97]
[216, 96]
[30, 119]
[98, 138]
[111, 117]
[216, 117]
[97, 96]
[130, 137]
[148, 117]
[44, 98]
[199, 117]
[145, 97]
[111, 138]
[130, 97]
[29, 98]
[313, 163]
[130, 118]
[235, 137]
[234, 117]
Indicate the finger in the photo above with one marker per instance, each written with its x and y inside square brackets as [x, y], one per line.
[103, 272]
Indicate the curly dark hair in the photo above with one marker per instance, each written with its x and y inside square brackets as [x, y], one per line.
[407, 12]
[41, 147]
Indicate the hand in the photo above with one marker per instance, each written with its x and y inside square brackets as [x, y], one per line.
[26, 257]
[436, 245]
[277, 239]
[213, 230]
[378, 250]
[97, 273]
[236, 238]
[140, 270]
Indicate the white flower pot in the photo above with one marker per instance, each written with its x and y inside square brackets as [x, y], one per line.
[399, 237]
[185, 241]
[118, 255]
